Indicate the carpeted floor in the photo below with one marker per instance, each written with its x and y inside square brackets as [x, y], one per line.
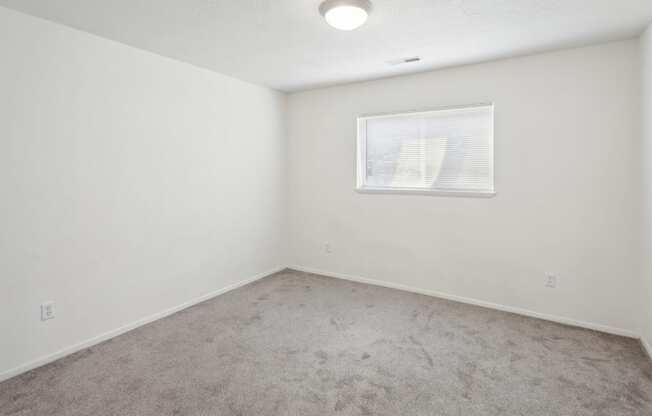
[301, 344]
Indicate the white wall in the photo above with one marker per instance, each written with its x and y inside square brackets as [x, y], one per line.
[566, 144]
[129, 183]
[646, 95]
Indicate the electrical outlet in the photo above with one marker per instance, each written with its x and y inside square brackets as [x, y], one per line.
[327, 248]
[551, 280]
[47, 311]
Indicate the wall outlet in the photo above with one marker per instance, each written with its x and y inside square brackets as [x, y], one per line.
[327, 248]
[47, 311]
[551, 280]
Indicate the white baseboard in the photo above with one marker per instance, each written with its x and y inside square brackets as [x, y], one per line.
[476, 302]
[126, 328]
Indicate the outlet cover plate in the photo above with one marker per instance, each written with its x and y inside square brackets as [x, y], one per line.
[47, 311]
[551, 280]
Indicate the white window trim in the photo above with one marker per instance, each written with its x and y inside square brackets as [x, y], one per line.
[361, 150]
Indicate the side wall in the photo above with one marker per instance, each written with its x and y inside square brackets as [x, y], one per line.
[129, 184]
[646, 95]
[566, 141]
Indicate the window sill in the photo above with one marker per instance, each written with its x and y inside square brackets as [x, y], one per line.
[434, 192]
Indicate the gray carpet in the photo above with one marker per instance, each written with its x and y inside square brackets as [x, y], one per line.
[301, 344]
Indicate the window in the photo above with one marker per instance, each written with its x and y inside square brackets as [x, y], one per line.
[447, 151]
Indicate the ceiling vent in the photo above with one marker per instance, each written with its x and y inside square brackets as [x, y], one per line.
[404, 60]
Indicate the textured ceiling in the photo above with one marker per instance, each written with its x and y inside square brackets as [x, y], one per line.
[286, 45]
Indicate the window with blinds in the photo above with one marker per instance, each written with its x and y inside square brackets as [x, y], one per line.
[446, 151]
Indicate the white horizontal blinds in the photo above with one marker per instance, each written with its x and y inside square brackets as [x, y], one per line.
[450, 150]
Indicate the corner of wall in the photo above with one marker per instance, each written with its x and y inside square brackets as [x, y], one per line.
[646, 189]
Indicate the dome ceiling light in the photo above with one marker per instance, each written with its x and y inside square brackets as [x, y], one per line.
[345, 14]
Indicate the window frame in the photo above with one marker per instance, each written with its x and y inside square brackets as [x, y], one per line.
[361, 160]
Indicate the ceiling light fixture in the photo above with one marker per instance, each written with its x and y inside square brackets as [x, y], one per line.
[345, 14]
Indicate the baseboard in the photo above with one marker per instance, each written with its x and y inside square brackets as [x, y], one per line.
[151, 318]
[126, 328]
[476, 302]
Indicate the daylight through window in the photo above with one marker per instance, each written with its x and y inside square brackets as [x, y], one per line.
[440, 151]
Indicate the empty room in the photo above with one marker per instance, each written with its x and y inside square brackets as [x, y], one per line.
[325, 207]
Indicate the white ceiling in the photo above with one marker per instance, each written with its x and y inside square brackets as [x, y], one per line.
[286, 44]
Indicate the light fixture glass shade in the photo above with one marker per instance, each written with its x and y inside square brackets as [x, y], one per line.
[345, 14]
